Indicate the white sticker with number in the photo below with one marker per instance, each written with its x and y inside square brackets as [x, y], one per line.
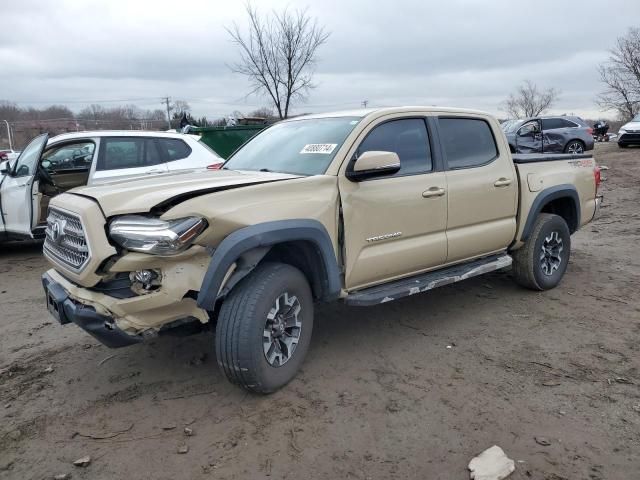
[324, 148]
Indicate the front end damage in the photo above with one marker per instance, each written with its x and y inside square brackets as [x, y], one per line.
[119, 297]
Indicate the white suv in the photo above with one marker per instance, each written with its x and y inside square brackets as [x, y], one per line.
[49, 166]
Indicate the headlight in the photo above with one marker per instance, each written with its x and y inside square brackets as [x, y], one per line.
[152, 235]
[622, 130]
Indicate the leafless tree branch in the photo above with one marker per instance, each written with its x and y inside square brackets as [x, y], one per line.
[529, 101]
[278, 54]
[620, 75]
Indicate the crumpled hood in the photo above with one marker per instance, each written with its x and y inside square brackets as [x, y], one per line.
[142, 194]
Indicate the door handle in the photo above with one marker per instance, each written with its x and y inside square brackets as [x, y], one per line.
[433, 192]
[502, 182]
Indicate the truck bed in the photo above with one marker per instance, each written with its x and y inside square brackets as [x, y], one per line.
[547, 157]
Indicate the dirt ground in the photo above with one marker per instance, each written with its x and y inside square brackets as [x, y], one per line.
[410, 389]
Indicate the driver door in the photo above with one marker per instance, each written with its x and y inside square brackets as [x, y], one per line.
[529, 138]
[395, 224]
[19, 190]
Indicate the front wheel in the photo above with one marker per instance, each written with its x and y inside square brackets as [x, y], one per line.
[574, 147]
[541, 262]
[264, 328]
[622, 145]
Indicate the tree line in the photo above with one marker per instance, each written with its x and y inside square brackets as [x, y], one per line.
[27, 122]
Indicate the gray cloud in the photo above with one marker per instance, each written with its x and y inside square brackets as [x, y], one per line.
[459, 53]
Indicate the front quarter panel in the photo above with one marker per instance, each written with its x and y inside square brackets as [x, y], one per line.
[314, 197]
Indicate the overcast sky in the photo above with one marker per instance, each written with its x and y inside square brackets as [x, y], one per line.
[413, 52]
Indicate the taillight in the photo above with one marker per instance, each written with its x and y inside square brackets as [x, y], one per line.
[597, 176]
[215, 166]
[590, 131]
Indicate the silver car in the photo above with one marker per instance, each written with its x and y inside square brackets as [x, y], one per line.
[548, 135]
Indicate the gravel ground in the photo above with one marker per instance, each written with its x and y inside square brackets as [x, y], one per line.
[410, 389]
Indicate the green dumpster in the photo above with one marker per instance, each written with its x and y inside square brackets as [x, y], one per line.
[225, 140]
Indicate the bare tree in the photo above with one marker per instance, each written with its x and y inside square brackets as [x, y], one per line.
[263, 112]
[528, 101]
[278, 54]
[180, 107]
[621, 76]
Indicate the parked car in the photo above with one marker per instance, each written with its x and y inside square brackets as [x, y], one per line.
[629, 133]
[549, 135]
[366, 206]
[50, 166]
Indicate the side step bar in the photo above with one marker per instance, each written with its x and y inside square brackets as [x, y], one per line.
[427, 281]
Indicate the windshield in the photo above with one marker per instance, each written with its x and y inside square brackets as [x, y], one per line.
[301, 147]
[636, 118]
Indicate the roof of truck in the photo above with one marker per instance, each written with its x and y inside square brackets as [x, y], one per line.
[363, 112]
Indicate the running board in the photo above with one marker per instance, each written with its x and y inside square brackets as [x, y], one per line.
[426, 281]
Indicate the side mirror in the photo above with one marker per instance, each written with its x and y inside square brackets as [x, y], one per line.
[374, 164]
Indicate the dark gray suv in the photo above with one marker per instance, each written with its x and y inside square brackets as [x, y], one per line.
[548, 135]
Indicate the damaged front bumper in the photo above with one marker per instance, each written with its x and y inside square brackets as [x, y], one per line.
[66, 310]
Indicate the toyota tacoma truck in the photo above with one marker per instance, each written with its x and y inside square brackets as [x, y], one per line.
[365, 207]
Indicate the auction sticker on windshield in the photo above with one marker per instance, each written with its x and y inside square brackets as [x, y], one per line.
[325, 148]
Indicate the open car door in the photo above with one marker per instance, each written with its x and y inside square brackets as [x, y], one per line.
[19, 203]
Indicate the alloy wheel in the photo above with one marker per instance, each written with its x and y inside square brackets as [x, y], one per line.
[282, 330]
[550, 258]
[575, 147]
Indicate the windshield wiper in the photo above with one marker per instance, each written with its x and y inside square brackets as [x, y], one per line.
[264, 170]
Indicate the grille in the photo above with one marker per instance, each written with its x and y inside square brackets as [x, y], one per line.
[630, 135]
[65, 240]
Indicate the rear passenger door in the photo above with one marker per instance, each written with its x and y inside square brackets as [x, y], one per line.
[553, 131]
[122, 157]
[482, 188]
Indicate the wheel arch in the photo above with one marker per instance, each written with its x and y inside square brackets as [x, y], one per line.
[303, 243]
[562, 200]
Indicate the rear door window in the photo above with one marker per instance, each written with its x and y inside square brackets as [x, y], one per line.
[467, 142]
[121, 153]
[174, 149]
[552, 123]
[406, 137]
[568, 123]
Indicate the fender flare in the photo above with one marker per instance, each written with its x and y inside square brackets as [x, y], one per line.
[267, 235]
[547, 195]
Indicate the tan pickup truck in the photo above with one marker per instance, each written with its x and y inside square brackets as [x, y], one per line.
[365, 207]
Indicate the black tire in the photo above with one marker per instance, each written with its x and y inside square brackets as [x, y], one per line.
[242, 321]
[529, 266]
[578, 144]
[622, 145]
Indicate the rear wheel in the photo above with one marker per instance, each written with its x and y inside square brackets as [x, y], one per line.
[541, 262]
[575, 147]
[264, 328]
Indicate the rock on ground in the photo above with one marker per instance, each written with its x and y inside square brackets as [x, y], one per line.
[492, 464]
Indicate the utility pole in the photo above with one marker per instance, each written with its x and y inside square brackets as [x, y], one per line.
[167, 102]
[9, 135]
[365, 103]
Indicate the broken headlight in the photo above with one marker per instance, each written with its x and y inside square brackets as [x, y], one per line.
[155, 236]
